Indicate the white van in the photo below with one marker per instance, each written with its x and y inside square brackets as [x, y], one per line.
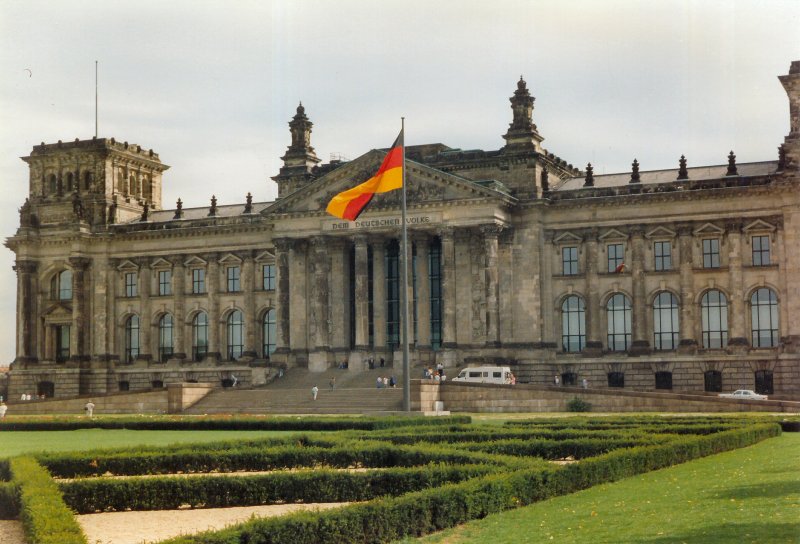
[485, 374]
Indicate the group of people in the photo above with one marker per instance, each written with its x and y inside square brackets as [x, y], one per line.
[28, 396]
[436, 375]
[584, 381]
[382, 382]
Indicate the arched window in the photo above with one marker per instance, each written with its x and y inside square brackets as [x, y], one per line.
[764, 318]
[573, 324]
[199, 336]
[665, 321]
[61, 286]
[52, 184]
[165, 346]
[235, 337]
[70, 182]
[133, 185]
[87, 180]
[131, 338]
[618, 312]
[268, 331]
[714, 308]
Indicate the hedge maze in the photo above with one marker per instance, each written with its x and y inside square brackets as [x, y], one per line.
[401, 476]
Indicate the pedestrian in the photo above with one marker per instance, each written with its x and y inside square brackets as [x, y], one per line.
[383, 362]
[440, 368]
[585, 383]
[513, 379]
[556, 380]
[392, 382]
[379, 382]
[280, 372]
[332, 383]
[314, 392]
[371, 363]
[386, 381]
[89, 407]
[3, 409]
[235, 380]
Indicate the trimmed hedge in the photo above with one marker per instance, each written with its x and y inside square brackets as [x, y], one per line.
[45, 518]
[170, 492]
[202, 423]
[9, 500]
[423, 512]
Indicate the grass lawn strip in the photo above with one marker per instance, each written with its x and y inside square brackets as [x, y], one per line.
[749, 495]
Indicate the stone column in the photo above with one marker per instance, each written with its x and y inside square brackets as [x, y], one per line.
[421, 241]
[379, 293]
[26, 315]
[79, 333]
[319, 268]
[361, 273]
[447, 236]
[737, 337]
[145, 323]
[339, 296]
[594, 342]
[688, 342]
[248, 288]
[640, 343]
[282, 247]
[179, 294]
[213, 289]
[492, 274]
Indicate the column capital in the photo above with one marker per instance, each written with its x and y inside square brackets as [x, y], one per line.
[282, 244]
[491, 230]
[636, 231]
[445, 231]
[684, 229]
[734, 226]
[22, 266]
[361, 240]
[80, 263]
[319, 243]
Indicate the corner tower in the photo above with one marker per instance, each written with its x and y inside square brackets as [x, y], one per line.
[522, 135]
[300, 157]
[791, 145]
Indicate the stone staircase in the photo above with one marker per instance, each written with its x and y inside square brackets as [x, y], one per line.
[355, 392]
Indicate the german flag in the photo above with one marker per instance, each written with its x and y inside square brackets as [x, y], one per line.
[350, 203]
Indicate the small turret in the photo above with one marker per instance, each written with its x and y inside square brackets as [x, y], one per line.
[791, 145]
[300, 157]
[522, 135]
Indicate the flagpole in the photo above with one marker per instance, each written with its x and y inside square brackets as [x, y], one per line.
[404, 290]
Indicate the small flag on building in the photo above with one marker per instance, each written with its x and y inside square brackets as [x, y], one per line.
[350, 203]
[619, 269]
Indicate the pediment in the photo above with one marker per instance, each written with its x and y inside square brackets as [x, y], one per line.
[230, 259]
[424, 185]
[161, 263]
[661, 232]
[613, 234]
[194, 262]
[759, 226]
[58, 311]
[709, 229]
[567, 238]
[265, 257]
[128, 266]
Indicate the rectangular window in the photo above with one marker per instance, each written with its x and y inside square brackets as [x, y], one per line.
[663, 255]
[198, 281]
[62, 343]
[616, 257]
[233, 279]
[760, 250]
[569, 261]
[269, 277]
[131, 288]
[711, 253]
[164, 282]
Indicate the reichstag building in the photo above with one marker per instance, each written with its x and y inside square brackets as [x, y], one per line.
[684, 279]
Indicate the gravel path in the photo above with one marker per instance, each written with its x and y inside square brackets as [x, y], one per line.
[152, 526]
[11, 532]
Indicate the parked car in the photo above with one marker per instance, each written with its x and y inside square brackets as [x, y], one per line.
[743, 394]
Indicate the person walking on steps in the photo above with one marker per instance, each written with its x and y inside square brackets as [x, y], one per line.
[332, 383]
[314, 392]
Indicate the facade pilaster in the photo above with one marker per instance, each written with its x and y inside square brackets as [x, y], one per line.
[640, 343]
[737, 338]
[26, 311]
[282, 248]
[447, 235]
[423, 291]
[213, 288]
[179, 294]
[688, 342]
[79, 331]
[319, 264]
[594, 334]
[248, 289]
[339, 294]
[491, 234]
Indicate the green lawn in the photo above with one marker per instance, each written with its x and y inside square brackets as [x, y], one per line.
[751, 495]
[17, 442]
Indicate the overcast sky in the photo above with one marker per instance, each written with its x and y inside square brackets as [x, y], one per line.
[211, 85]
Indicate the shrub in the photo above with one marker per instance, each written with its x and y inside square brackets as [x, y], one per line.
[9, 500]
[578, 405]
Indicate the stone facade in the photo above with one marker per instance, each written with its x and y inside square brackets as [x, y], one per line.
[683, 279]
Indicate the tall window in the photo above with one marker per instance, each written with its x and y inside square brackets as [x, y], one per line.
[198, 281]
[268, 332]
[268, 275]
[764, 318]
[569, 261]
[616, 256]
[164, 282]
[235, 325]
[131, 338]
[714, 307]
[435, 272]
[663, 255]
[62, 343]
[165, 345]
[760, 250]
[199, 336]
[53, 184]
[618, 312]
[665, 321]
[131, 287]
[63, 285]
[573, 324]
[711, 253]
[392, 295]
[233, 273]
